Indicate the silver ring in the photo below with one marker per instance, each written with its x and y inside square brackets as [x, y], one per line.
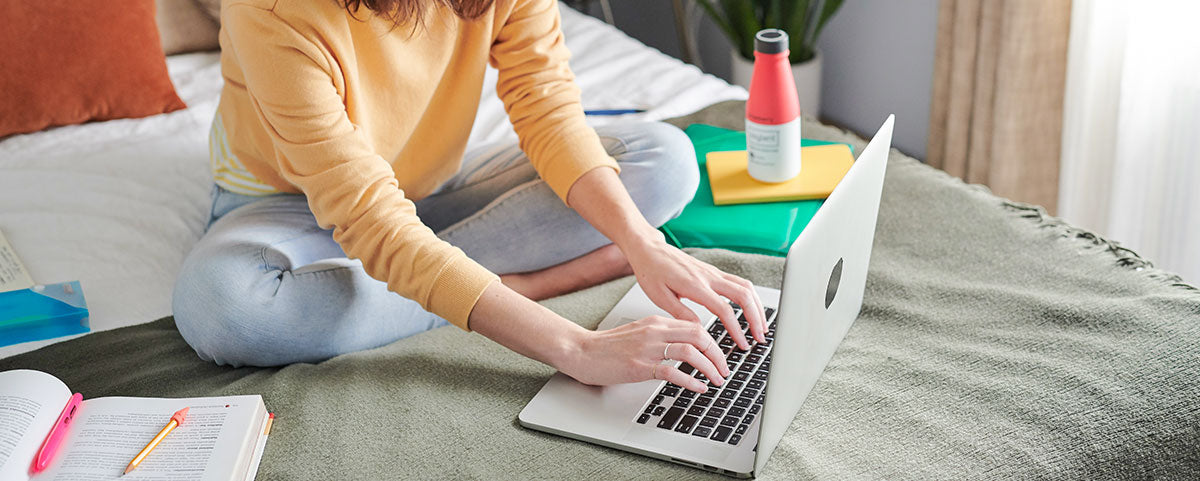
[654, 371]
[665, 357]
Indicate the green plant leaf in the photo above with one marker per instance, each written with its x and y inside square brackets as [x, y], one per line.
[774, 17]
[797, 29]
[744, 22]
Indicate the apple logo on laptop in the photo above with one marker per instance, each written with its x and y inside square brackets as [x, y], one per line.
[835, 279]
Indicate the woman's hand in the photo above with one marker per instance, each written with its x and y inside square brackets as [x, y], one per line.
[634, 352]
[668, 275]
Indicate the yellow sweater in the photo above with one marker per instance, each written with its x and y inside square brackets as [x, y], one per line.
[363, 118]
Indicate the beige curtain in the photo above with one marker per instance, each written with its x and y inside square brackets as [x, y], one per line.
[998, 82]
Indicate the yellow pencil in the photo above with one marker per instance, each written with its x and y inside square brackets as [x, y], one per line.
[176, 420]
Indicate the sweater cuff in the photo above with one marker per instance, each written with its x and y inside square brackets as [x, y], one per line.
[457, 288]
[575, 154]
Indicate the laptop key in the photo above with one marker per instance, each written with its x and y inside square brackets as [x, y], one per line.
[741, 429]
[689, 394]
[758, 349]
[749, 393]
[736, 411]
[686, 424]
[754, 384]
[753, 358]
[740, 376]
[729, 421]
[708, 421]
[741, 402]
[736, 438]
[716, 412]
[721, 402]
[668, 420]
[687, 368]
[721, 433]
[703, 401]
[682, 402]
[749, 419]
[754, 409]
[702, 431]
[669, 391]
[760, 376]
[695, 410]
[746, 367]
[649, 409]
[728, 394]
[658, 411]
[734, 385]
[643, 418]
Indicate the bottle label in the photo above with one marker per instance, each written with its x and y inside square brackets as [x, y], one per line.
[773, 151]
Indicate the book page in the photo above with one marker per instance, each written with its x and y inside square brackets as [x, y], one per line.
[212, 443]
[30, 403]
[13, 275]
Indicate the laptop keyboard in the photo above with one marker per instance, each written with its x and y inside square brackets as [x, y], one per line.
[723, 414]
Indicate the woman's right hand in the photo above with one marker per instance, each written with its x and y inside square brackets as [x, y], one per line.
[634, 352]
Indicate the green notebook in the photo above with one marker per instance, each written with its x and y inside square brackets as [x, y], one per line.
[766, 228]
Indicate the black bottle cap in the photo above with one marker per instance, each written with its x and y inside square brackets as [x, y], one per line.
[770, 40]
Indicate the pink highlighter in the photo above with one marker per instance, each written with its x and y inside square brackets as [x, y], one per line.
[772, 111]
[57, 434]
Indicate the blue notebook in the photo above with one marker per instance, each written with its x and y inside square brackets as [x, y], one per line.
[42, 312]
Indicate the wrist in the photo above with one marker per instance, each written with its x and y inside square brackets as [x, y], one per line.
[639, 237]
[568, 351]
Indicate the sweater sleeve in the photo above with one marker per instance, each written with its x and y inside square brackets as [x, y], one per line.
[540, 95]
[350, 188]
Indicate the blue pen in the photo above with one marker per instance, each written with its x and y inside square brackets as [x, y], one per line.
[613, 111]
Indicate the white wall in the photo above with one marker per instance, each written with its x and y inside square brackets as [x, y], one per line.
[878, 59]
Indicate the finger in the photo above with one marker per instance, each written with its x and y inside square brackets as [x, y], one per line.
[688, 353]
[673, 375]
[668, 301]
[697, 339]
[718, 306]
[742, 292]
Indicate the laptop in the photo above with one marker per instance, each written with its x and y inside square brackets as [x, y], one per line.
[733, 429]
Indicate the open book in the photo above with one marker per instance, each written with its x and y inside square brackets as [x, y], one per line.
[222, 438]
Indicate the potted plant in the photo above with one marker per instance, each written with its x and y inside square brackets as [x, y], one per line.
[801, 19]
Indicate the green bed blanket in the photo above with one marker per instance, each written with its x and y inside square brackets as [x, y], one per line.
[994, 342]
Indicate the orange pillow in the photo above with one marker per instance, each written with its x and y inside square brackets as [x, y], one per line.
[70, 61]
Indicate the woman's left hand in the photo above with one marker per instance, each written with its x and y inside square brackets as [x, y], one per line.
[668, 275]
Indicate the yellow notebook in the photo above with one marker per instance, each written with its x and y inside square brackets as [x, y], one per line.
[822, 167]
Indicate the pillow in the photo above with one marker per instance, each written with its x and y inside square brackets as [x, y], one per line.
[184, 26]
[70, 61]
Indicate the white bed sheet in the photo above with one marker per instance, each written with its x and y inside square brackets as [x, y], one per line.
[118, 204]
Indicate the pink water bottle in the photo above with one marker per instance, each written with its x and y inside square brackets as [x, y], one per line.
[772, 111]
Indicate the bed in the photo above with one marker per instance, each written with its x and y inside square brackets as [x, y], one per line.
[995, 341]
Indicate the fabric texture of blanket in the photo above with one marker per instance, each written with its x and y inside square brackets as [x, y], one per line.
[994, 342]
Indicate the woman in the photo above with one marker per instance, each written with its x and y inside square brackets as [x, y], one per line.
[346, 214]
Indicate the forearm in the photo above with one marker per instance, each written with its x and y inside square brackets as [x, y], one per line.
[526, 327]
[601, 199]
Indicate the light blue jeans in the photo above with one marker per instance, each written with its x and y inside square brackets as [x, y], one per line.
[267, 286]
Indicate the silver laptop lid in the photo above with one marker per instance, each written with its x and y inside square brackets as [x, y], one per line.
[823, 281]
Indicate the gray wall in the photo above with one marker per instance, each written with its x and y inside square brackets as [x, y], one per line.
[878, 59]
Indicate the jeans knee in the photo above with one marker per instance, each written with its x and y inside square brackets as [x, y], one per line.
[213, 315]
[665, 180]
